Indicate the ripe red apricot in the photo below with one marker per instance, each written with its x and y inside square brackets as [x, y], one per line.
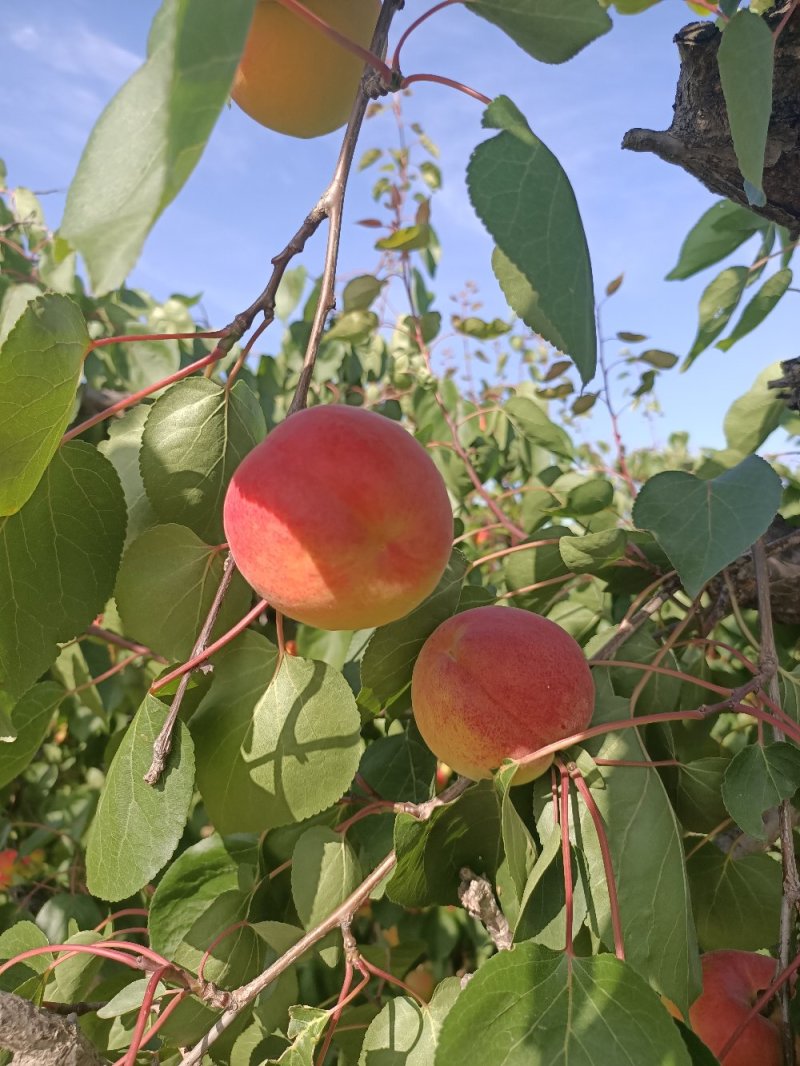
[732, 982]
[497, 683]
[339, 519]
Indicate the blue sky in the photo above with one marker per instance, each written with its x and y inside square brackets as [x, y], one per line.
[61, 63]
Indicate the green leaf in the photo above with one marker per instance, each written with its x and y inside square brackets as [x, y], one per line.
[399, 767]
[430, 854]
[759, 778]
[361, 293]
[15, 300]
[531, 1005]
[353, 326]
[195, 436]
[752, 417]
[393, 649]
[593, 552]
[325, 871]
[551, 31]
[409, 239]
[122, 448]
[40, 367]
[518, 843]
[746, 57]
[704, 525]
[137, 827]
[479, 328]
[147, 141]
[58, 560]
[23, 936]
[31, 719]
[719, 232]
[758, 307]
[535, 565]
[189, 886]
[647, 855]
[658, 359]
[543, 266]
[305, 1029]
[290, 292]
[718, 302]
[273, 752]
[406, 1033]
[736, 902]
[171, 566]
[698, 802]
[530, 418]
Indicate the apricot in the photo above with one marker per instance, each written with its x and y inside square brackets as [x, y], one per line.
[291, 77]
[496, 683]
[732, 982]
[339, 519]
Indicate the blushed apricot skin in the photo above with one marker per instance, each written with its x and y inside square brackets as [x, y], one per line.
[497, 683]
[339, 519]
[291, 77]
[732, 982]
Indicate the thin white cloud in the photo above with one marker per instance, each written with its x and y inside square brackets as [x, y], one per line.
[77, 51]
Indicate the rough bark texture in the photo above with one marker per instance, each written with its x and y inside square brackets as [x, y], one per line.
[699, 139]
[39, 1038]
[783, 564]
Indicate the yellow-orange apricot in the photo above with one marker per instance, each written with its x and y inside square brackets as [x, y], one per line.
[339, 519]
[496, 683]
[294, 79]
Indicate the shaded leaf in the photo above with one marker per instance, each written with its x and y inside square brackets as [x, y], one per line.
[31, 719]
[171, 566]
[746, 59]
[736, 902]
[530, 418]
[325, 871]
[195, 436]
[718, 302]
[551, 31]
[759, 778]
[719, 232]
[58, 560]
[704, 525]
[137, 827]
[757, 309]
[543, 266]
[406, 1033]
[150, 136]
[40, 367]
[752, 417]
[430, 854]
[594, 551]
[273, 749]
[533, 1005]
[392, 650]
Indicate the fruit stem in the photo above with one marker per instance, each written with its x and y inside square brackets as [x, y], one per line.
[418, 22]
[342, 39]
[450, 82]
[135, 397]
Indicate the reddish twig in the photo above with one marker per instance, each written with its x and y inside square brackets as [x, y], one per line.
[200, 657]
[451, 83]
[566, 855]
[342, 39]
[605, 851]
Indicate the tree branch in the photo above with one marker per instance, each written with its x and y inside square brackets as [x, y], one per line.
[39, 1038]
[768, 664]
